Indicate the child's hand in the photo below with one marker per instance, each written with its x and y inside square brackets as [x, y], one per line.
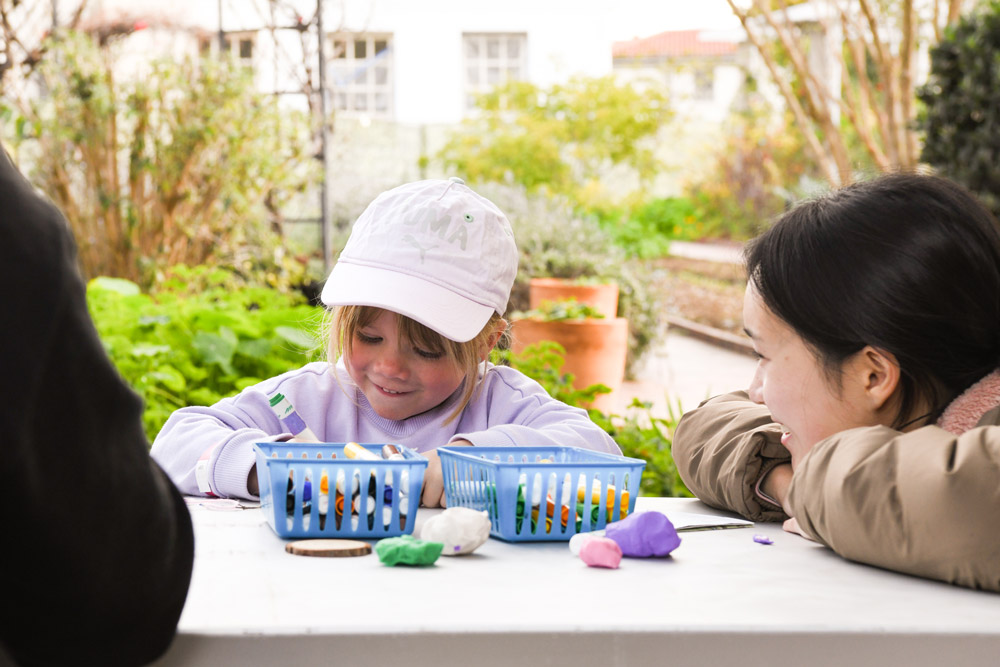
[433, 493]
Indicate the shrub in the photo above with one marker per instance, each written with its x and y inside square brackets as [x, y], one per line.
[185, 164]
[555, 242]
[201, 337]
[758, 169]
[564, 138]
[640, 436]
[961, 99]
[644, 231]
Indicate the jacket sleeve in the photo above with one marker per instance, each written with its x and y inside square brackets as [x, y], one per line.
[923, 502]
[98, 543]
[723, 448]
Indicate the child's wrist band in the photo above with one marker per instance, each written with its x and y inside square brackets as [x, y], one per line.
[201, 471]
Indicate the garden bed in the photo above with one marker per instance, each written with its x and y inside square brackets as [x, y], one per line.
[708, 293]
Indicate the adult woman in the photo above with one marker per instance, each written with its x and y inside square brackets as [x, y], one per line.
[873, 417]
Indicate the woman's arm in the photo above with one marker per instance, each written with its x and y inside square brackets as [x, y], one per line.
[724, 448]
[923, 502]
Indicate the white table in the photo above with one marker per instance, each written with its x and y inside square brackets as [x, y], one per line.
[720, 599]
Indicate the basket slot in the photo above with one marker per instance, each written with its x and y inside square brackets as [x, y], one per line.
[323, 500]
[305, 497]
[291, 506]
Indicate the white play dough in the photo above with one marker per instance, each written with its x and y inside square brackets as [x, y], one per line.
[460, 529]
[577, 541]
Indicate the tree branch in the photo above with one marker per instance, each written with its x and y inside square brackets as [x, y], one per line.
[832, 174]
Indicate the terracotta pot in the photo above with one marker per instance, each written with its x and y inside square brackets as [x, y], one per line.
[602, 297]
[595, 348]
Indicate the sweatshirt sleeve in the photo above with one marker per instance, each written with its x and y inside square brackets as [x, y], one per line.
[210, 449]
[923, 502]
[521, 412]
[99, 544]
[723, 448]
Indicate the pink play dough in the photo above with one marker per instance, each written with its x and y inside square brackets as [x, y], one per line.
[601, 552]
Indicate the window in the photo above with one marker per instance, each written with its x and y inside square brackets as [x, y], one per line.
[361, 74]
[239, 45]
[490, 59]
[704, 83]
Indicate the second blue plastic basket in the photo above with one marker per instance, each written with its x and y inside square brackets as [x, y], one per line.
[541, 493]
[382, 503]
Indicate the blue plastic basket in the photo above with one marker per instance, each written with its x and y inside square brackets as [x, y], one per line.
[290, 475]
[540, 493]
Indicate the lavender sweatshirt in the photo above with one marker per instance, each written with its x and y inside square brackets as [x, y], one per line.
[510, 409]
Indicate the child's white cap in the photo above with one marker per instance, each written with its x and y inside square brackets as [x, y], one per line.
[434, 251]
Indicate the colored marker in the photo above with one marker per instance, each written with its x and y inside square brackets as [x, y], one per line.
[291, 420]
[353, 450]
[392, 453]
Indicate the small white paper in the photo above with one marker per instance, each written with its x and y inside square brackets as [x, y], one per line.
[693, 521]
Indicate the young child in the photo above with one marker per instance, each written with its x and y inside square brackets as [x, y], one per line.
[418, 295]
[873, 417]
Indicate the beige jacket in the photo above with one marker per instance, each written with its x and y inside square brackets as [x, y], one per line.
[926, 502]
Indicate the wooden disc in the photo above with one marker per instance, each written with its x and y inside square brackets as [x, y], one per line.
[328, 548]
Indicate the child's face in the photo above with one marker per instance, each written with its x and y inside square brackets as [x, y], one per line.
[399, 379]
[794, 386]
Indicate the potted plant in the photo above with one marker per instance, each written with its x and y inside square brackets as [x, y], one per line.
[595, 345]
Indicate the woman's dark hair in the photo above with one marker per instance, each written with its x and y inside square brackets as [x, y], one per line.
[906, 263]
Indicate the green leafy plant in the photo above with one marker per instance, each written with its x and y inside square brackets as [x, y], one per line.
[644, 230]
[198, 340]
[561, 310]
[639, 434]
[647, 437]
[961, 98]
[563, 138]
[543, 363]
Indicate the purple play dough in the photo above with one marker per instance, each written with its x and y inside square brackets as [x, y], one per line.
[644, 534]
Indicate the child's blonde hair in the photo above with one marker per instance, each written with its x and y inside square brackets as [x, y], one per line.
[343, 322]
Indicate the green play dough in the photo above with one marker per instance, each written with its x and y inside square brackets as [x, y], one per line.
[407, 550]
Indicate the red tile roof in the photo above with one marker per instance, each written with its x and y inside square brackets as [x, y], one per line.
[672, 44]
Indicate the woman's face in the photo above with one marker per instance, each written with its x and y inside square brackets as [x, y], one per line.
[794, 386]
[398, 378]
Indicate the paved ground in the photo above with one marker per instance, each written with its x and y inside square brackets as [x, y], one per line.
[683, 369]
[730, 253]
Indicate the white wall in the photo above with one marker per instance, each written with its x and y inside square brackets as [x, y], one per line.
[564, 38]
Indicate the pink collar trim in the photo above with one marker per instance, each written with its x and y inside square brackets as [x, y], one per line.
[965, 411]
